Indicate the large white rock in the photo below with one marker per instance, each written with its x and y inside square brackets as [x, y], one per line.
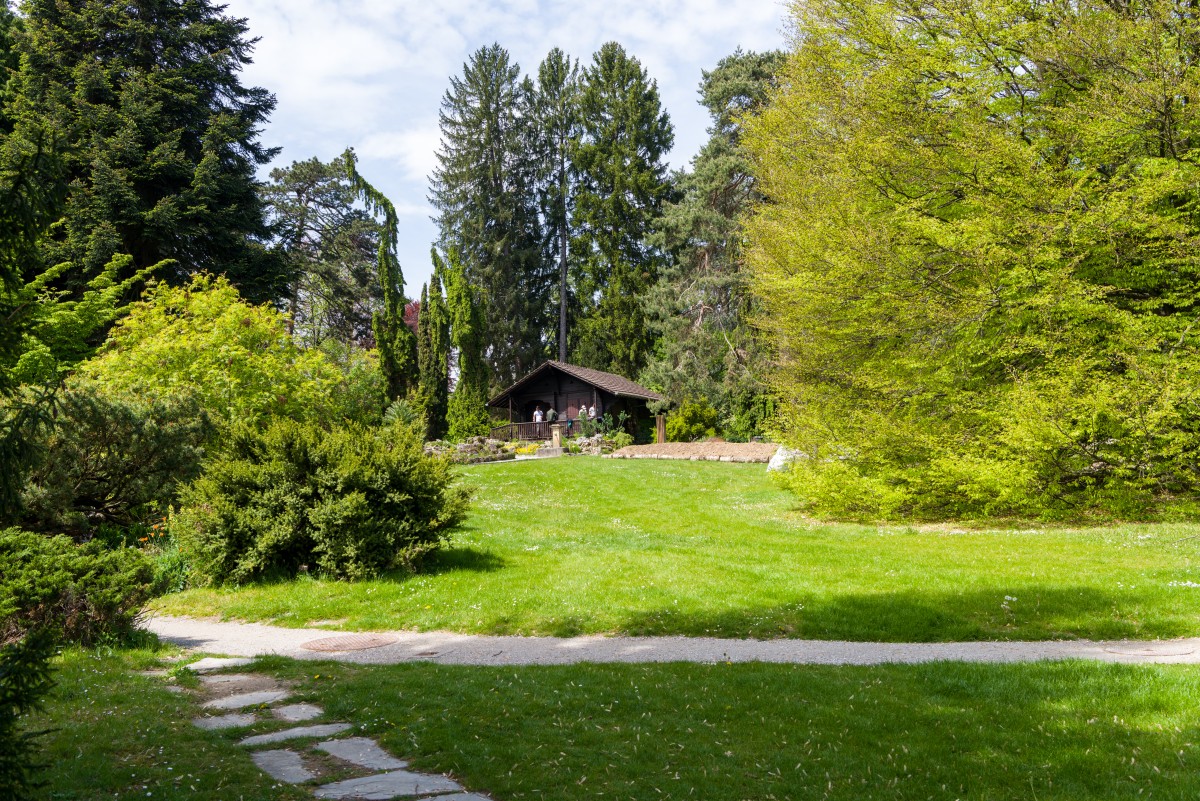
[782, 458]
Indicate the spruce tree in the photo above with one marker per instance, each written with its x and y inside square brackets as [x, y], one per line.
[556, 117]
[467, 415]
[158, 135]
[483, 191]
[623, 184]
[9, 59]
[700, 309]
[434, 353]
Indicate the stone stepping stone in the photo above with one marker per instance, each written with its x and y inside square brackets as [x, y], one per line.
[326, 730]
[297, 713]
[461, 797]
[234, 720]
[283, 766]
[243, 700]
[362, 751]
[213, 663]
[237, 683]
[386, 786]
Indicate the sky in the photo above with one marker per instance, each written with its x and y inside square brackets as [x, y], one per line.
[370, 74]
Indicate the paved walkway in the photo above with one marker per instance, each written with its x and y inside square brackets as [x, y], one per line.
[384, 648]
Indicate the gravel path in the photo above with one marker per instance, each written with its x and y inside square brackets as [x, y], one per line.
[702, 451]
[385, 648]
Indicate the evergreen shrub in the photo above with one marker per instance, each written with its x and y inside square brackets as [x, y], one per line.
[80, 593]
[693, 420]
[347, 502]
[24, 681]
[108, 460]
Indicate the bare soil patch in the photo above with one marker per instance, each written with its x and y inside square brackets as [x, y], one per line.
[702, 451]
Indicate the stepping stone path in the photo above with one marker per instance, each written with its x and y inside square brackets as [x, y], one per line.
[246, 699]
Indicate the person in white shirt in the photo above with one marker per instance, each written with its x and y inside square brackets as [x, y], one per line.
[537, 415]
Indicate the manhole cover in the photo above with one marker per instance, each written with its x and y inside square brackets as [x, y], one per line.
[1152, 650]
[349, 642]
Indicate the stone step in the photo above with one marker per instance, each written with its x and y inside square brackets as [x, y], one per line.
[397, 784]
[234, 720]
[362, 751]
[324, 730]
[243, 700]
[215, 663]
[297, 713]
[283, 766]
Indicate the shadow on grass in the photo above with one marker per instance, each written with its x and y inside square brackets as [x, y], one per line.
[449, 560]
[1028, 612]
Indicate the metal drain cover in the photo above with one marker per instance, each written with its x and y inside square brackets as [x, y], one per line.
[1151, 650]
[349, 642]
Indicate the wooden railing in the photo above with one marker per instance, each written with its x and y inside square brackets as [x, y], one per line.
[527, 432]
[532, 432]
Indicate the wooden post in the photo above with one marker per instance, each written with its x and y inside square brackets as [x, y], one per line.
[660, 428]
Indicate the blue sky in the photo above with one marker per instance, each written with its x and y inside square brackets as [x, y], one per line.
[371, 73]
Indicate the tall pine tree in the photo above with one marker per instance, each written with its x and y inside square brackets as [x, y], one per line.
[701, 306]
[332, 245]
[483, 191]
[623, 184]
[158, 135]
[556, 117]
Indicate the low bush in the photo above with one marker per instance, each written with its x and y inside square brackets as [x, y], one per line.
[620, 439]
[693, 420]
[111, 461]
[80, 593]
[24, 681]
[349, 502]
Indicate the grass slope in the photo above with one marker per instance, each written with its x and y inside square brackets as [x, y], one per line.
[732, 732]
[584, 545]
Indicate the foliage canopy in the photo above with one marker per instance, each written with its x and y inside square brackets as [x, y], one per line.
[978, 266]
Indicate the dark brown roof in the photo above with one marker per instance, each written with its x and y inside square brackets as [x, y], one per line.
[609, 382]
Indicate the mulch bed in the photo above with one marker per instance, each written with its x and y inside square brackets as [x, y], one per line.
[701, 451]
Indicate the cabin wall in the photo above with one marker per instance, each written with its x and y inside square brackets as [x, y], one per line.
[566, 394]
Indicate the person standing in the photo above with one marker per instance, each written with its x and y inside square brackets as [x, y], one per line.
[537, 415]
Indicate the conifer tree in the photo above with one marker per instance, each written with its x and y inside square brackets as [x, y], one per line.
[483, 191]
[701, 306]
[433, 353]
[556, 116]
[467, 415]
[395, 341]
[623, 184]
[9, 59]
[332, 246]
[158, 136]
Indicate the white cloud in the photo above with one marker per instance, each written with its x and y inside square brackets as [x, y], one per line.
[371, 73]
[414, 150]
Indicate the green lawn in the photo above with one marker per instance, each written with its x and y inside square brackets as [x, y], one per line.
[733, 732]
[722, 732]
[116, 734]
[585, 545]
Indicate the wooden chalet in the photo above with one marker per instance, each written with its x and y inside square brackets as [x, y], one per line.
[571, 391]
